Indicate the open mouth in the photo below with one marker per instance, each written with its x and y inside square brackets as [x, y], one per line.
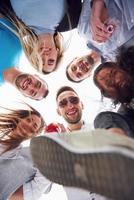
[25, 83]
[84, 66]
[72, 112]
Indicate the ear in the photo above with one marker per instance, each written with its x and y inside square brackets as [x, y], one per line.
[58, 111]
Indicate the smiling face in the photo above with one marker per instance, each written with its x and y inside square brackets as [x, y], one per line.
[112, 81]
[31, 86]
[80, 68]
[48, 52]
[29, 126]
[69, 107]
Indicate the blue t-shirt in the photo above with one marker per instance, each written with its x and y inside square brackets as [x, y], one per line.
[10, 48]
[43, 16]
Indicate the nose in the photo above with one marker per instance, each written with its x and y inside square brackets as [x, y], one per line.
[70, 105]
[26, 129]
[45, 51]
[31, 89]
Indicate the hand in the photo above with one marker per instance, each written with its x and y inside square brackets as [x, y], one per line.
[18, 194]
[62, 127]
[117, 131]
[55, 127]
[98, 16]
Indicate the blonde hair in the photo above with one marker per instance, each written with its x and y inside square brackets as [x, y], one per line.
[29, 40]
[9, 122]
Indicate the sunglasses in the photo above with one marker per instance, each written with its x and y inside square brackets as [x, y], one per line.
[71, 99]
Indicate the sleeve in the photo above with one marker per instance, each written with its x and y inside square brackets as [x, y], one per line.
[33, 189]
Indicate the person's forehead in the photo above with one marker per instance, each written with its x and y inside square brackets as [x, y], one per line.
[72, 74]
[76, 60]
[66, 94]
[104, 71]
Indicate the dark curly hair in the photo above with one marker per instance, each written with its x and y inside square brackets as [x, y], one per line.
[125, 93]
[125, 59]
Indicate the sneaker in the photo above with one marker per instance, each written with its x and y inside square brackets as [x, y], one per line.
[96, 161]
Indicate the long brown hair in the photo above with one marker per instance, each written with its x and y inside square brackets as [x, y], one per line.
[9, 122]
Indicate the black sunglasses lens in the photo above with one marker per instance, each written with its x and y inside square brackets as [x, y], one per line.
[63, 103]
[74, 100]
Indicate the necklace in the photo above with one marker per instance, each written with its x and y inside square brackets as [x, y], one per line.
[83, 123]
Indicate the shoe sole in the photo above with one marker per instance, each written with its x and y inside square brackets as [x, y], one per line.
[107, 173]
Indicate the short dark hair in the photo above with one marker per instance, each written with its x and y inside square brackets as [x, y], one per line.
[63, 89]
[125, 59]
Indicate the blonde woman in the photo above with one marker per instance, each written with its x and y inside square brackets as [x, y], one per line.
[17, 171]
[10, 52]
[37, 23]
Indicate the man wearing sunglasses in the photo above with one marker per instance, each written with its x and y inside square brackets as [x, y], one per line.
[70, 107]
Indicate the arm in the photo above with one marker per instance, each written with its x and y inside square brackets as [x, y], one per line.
[18, 194]
[117, 131]
[33, 189]
[98, 16]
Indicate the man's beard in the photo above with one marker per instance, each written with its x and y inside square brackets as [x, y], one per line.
[74, 121]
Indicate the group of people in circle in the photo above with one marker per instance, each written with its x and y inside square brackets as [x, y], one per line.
[36, 27]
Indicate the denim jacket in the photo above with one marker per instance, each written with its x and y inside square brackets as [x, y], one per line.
[120, 11]
[16, 170]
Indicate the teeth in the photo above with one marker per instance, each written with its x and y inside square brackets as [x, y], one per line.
[71, 112]
[25, 84]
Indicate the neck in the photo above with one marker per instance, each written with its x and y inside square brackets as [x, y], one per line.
[95, 56]
[75, 127]
[10, 75]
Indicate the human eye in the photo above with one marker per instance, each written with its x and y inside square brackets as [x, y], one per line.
[32, 92]
[73, 68]
[28, 120]
[29, 81]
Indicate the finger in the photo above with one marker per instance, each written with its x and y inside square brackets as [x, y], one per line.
[99, 36]
[101, 33]
[62, 127]
[99, 39]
